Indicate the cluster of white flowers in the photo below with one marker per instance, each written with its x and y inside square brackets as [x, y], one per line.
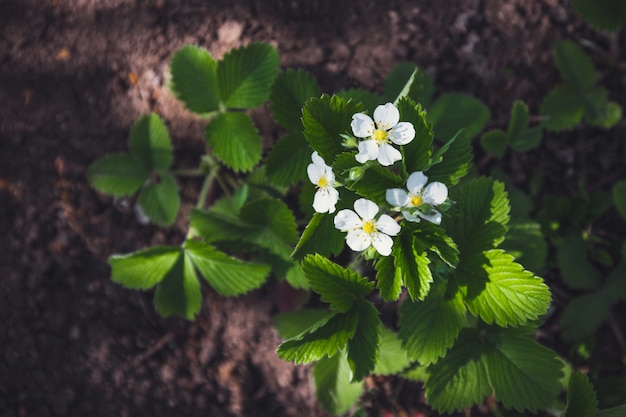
[363, 230]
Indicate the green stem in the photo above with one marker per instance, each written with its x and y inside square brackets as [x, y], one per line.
[206, 186]
[189, 172]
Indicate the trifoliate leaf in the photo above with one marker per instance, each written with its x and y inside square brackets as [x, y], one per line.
[178, 294]
[417, 152]
[407, 80]
[160, 200]
[459, 380]
[374, 183]
[526, 243]
[499, 290]
[228, 276]
[364, 346]
[606, 116]
[524, 375]
[576, 270]
[216, 226]
[519, 119]
[324, 120]
[291, 89]
[411, 262]
[119, 175]
[455, 111]
[235, 140]
[320, 236]
[292, 324]
[527, 140]
[455, 159]
[583, 316]
[143, 269]
[325, 337]
[150, 143]
[288, 160]
[430, 327]
[602, 14]
[368, 100]
[495, 142]
[388, 279]
[581, 398]
[574, 65]
[334, 391]
[480, 219]
[563, 107]
[392, 357]
[246, 74]
[194, 79]
[338, 286]
[435, 239]
[619, 197]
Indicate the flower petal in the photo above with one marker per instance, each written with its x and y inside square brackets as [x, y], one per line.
[409, 217]
[324, 200]
[433, 218]
[333, 197]
[416, 182]
[382, 243]
[402, 133]
[397, 197]
[368, 151]
[362, 125]
[318, 160]
[388, 155]
[435, 193]
[365, 208]
[347, 220]
[387, 225]
[315, 172]
[358, 240]
[386, 116]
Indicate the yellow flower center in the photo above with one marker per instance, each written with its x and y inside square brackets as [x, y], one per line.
[369, 228]
[381, 135]
[416, 201]
[322, 182]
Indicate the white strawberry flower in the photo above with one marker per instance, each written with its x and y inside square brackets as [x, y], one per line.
[321, 175]
[420, 200]
[363, 230]
[379, 133]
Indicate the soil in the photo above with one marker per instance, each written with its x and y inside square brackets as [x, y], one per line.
[74, 76]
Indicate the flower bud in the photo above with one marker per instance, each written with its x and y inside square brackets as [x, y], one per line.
[356, 173]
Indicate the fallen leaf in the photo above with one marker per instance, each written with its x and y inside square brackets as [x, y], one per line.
[133, 78]
[63, 55]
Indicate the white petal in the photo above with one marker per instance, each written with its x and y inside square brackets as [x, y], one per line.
[433, 218]
[317, 160]
[368, 151]
[322, 201]
[367, 209]
[397, 197]
[333, 197]
[362, 125]
[358, 240]
[435, 193]
[387, 225]
[416, 182]
[315, 173]
[409, 217]
[382, 243]
[346, 220]
[386, 116]
[387, 155]
[402, 133]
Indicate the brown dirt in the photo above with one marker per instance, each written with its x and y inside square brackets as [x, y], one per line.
[75, 74]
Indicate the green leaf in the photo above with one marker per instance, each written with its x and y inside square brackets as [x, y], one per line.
[429, 328]
[245, 75]
[375, 182]
[364, 346]
[563, 106]
[216, 226]
[119, 175]
[291, 89]
[388, 279]
[435, 239]
[527, 140]
[502, 292]
[392, 358]
[288, 160]
[455, 160]
[335, 393]
[574, 265]
[417, 152]
[143, 269]
[325, 337]
[326, 118]
[292, 324]
[602, 14]
[618, 411]
[407, 80]
[411, 262]
[607, 116]
[178, 294]
[574, 65]
[455, 111]
[320, 236]
[235, 140]
[519, 119]
[524, 374]
[495, 142]
[583, 316]
[459, 380]
[194, 79]
[581, 398]
[228, 276]
[338, 286]
[368, 100]
[526, 243]
[150, 143]
[619, 197]
[160, 201]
